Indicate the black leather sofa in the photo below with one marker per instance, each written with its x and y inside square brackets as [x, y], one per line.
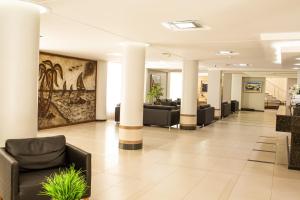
[234, 106]
[24, 164]
[205, 115]
[225, 109]
[157, 115]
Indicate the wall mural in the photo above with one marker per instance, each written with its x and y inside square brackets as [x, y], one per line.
[67, 91]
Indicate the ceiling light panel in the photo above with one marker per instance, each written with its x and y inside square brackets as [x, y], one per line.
[227, 53]
[184, 25]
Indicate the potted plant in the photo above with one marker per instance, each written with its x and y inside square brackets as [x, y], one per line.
[155, 92]
[68, 184]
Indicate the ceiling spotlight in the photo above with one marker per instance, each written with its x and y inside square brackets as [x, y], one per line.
[184, 25]
[227, 53]
[297, 64]
[297, 58]
[296, 68]
[241, 65]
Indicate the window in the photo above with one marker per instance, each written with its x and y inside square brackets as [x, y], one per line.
[114, 71]
[175, 85]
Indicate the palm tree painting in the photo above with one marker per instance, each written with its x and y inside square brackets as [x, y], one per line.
[49, 73]
[59, 102]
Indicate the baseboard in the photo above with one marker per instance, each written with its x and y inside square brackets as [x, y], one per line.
[101, 120]
[251, 110]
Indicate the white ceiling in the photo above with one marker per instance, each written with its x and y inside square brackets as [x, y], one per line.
[95, 28]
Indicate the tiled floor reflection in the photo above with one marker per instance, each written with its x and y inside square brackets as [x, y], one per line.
[210, 163]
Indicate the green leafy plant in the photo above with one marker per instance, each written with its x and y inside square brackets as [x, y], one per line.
[156, 91]
[68, 184]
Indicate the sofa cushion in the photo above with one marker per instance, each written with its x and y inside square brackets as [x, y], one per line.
[30, 184]
[38, 153]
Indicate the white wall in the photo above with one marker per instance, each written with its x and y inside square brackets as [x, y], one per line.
[254, 101]
[277, 88]
[214, 89]
[101, 90]
[236, 88]
[227, 79]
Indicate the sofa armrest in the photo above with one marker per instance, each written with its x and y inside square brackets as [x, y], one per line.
[9, 176]
[82, 160]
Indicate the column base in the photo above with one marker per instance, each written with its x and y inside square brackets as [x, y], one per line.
[188, 127]
[188, 122]
[130, 146]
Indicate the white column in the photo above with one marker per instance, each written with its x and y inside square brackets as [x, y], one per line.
[19, 53]
[298, 77]
[188, 109]
[101, 90]
[227, 78]
[236, 88]
[132, 99]
[214, 90]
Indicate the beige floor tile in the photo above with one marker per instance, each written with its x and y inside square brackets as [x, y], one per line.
[212, 187]
[252, 187]
[282, 171]
[175, 187]
[258, 168]
[263, 156]
[285, 189]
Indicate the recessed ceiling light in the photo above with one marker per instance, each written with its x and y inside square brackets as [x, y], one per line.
[227, 53]
[241, 65]
[184, 25]
[296, 68]
[297, 58]
[297, 64]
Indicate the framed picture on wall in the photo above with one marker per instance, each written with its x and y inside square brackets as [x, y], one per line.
[155, 79]
[253, 86]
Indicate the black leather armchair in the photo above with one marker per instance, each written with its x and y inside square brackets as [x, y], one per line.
[24, 164]
[157, 115]
[160, 115]
[234, 106]
[225, 109]
[205, 115]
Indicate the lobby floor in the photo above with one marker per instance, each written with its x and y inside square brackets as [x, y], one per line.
[206, 164]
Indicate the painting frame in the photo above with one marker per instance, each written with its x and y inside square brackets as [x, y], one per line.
[93, 90]
[253, 87]
[155, 79]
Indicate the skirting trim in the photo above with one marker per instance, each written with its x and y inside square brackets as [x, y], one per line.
[130, 127]
[188, 126]
[130, 142]
[186, 115]
[131, 146]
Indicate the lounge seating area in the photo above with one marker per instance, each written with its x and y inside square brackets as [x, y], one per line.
[149, 100]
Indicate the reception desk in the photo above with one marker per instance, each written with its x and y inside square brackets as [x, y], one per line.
[283, 119]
